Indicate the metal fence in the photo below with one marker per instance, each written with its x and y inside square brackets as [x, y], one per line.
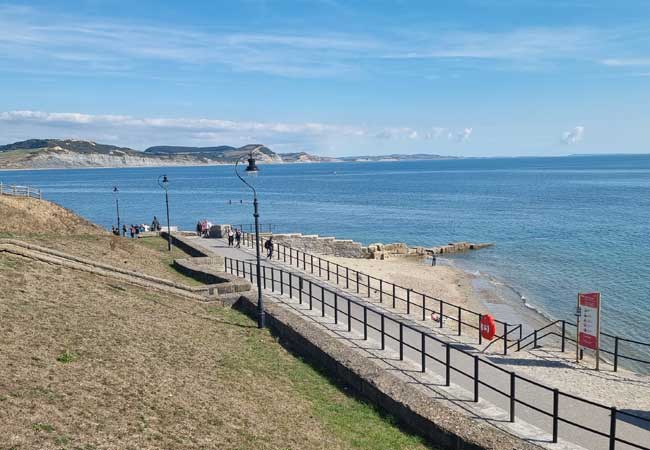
[522, 397]
[250, 227]
[510, 335]
[20, 191]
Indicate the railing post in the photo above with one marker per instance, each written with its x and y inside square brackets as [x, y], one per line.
[441, 316]
[281, 282]
[505, 338]
[368, 286]
[556, 409]
[320, 273]
[336, 308]
[460, 321]
[616, 354]
[535, 339]
[424, 307]
[272, 280]
[512, 396]
[480, 335]
[563, 334]
[393, 295]
[290, 285]
[383, 343]
[264, 276]
[447, 364]
[612, 429]
[311, 265]
[365, 323]
[408, 301]
[424, 352]
[284, 253]
[349, 316]
[311, 297]
[347, 278]
[357, 281]
[401, 341]
[328, 270]
[381, 290]
[322, 301]
[476, 383]
[300, 290]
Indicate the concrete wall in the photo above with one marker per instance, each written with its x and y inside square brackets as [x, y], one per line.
[312, 243]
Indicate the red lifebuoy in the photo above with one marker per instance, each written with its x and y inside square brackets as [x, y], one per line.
[488, 327]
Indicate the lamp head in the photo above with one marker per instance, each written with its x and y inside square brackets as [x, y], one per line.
[251, 169]
[115, 190]
[165, 182]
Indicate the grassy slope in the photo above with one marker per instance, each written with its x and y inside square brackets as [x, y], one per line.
[91, 364]
[47, 224]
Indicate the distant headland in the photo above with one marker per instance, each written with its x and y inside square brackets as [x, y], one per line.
[73, 153]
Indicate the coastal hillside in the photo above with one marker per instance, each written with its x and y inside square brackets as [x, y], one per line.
[72, 153]
[94, 362]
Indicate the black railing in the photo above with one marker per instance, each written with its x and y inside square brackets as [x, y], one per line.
[613, 352]
[391, 294]
[250, 227]
[366, 285]
[373, 320]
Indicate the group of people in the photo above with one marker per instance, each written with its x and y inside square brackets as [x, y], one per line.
[234, 238]
[135, 230]
[203, 228]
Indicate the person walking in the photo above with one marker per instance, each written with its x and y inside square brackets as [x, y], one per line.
[268, 245]
[238, 238]
[124, 230]
[231, 238]
[198, 228]
[132, 231]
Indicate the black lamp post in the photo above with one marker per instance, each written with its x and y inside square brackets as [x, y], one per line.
[117, 206]
[164, 183]
[252, 170]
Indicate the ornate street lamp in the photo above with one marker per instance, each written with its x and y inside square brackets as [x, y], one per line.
[163, 182]
[252, 170]
[117, 206]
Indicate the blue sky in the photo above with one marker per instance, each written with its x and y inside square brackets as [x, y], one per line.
[334, 77]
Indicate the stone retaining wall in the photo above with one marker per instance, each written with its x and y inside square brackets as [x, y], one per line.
[208, 270]
[312, 243]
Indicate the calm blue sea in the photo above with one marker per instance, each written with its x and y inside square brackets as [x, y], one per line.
[561, 225]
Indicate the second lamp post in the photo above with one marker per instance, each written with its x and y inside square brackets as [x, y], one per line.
[252, 170]
[164, 183]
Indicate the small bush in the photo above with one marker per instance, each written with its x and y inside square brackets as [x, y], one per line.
[66, 357]
[43, 427]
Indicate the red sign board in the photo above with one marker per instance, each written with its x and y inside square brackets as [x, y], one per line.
[589, 320]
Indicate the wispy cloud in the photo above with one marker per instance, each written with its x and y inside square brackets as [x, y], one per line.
[37, 39]
[574, 135]
[206, 130]
[626, 62]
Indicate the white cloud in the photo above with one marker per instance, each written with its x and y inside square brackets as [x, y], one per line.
[626, 62]
[463, 136]
[574, 135]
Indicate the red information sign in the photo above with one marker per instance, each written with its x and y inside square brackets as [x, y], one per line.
[589, 320]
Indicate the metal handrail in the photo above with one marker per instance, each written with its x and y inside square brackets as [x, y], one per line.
[307, 261]
[20, 191]
[357, 281]
[305, 287]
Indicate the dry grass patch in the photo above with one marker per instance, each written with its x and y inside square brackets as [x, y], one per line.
[88, 363]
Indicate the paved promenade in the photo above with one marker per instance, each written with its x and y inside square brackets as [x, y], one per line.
[540, 366]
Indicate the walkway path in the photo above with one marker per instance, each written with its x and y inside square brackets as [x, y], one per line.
[534, 406]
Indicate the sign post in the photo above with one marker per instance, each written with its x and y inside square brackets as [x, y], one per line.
[588, 323]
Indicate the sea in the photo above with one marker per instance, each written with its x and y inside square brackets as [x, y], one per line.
[560, 225]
